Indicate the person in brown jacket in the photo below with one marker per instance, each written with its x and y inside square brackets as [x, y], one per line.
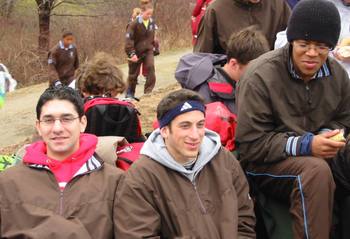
[185, 185]
[225, 17]
[139, 47]
[63, 60]
[62, 189]
[291, 103]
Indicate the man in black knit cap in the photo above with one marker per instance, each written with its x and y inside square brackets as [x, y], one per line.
[293, 109]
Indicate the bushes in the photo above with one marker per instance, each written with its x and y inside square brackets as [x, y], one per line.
[106, 32]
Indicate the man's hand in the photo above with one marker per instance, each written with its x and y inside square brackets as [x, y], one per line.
[134, 58]
[324, 147]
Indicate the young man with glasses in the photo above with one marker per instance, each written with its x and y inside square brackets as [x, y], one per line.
[62, 189]
[291, 104]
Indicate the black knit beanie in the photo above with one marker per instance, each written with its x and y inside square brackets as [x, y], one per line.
[314, 20]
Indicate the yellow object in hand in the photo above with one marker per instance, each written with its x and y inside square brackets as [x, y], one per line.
[345, 42]
[338, 137]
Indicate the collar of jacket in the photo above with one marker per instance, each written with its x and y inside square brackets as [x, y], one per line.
[139, 20]
[246, 4]
[324, 71]
[91, 165]
[71, 46]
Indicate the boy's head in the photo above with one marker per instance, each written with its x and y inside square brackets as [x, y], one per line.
[67, 38]
[101, 76]
[313, 29]
[244, 46]
[147, 10]
[60, 120]
[181, 116]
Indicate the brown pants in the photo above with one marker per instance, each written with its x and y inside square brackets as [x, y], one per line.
[134, 69]
[307, 184]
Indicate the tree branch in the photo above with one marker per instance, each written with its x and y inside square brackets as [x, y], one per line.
[77, 15]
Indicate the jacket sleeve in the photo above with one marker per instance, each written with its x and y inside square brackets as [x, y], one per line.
[285, 16]
[135, 215]
[130, 40]
[197, 9]
[341, 119]
[52, 61]
[246, 216]
[257, 137]
[76, 61]
[207, 33]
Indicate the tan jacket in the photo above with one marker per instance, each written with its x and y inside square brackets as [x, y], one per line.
[224, 17]
[272, 106]
[157, 202]
[32, 205]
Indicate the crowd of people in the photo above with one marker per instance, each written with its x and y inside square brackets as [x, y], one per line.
[291, 121]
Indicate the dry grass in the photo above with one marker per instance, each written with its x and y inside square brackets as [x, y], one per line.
[18, 39]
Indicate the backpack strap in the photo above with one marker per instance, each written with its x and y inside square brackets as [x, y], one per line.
[92, 101]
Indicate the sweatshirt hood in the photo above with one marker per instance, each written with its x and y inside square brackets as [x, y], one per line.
[36, 153]
[155, 149]
[195, 68]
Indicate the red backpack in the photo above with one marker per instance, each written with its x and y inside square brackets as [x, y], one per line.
[112, 117]
[128, 154]
[220, 119]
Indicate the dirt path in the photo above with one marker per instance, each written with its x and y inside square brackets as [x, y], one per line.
[17, 117]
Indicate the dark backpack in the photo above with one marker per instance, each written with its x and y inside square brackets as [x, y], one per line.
[194, 69]
[112, 117]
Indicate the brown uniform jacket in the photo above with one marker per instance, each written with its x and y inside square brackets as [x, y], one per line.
[224, 17]
[272, 105]
[63, 63]
[139, 40]
[157, 202]
[32, 205]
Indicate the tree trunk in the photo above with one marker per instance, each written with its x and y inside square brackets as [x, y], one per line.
[44, 11]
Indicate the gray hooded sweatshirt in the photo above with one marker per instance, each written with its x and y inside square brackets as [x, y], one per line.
[155, 148]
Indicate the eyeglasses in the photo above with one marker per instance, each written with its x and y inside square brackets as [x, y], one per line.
[63, 120]
[305, 47]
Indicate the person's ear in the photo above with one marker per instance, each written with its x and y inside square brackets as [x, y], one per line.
[37, 126]
[233, 63]
[164, 132]
[83, 123]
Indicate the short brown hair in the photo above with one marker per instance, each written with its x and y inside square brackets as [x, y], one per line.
[142, 2]
[174, 98]
[246, 45]
[101, 76]
[146, 5]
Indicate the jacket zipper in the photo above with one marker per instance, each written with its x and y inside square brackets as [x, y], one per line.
[61, 202]
[308, 103]
[204, 211]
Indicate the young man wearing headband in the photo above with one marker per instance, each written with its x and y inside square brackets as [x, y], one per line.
[185, 184]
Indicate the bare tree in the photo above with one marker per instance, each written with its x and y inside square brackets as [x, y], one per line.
[46, 10]
[44, 13]
[6, 7]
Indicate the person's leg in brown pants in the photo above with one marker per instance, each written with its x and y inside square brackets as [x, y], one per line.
[307, 183]
[134, 70]
[148, 64]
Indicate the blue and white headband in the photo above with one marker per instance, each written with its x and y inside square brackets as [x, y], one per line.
[179, 109]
